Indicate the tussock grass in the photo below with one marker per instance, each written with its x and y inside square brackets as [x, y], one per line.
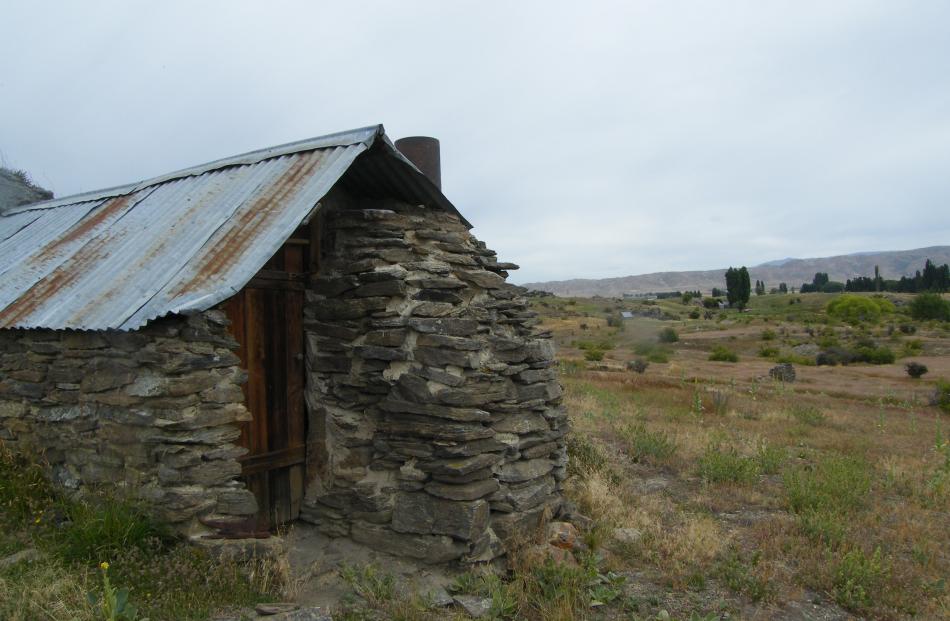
[166, 579]
[839, 482]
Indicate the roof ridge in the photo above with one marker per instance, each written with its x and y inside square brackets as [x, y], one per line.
[366, 135]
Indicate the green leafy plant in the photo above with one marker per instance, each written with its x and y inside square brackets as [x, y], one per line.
[855, 309]
[930, 306]
[721, 353]
[718, 465]
[668, 335]
[114, 603]
[645, 445]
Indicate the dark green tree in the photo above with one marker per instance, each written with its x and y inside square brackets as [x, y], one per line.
[738, 286]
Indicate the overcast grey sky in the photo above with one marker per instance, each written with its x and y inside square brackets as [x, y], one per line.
[586, 139]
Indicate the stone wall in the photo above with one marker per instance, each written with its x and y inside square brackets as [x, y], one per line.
[153, 410]
[436, 429]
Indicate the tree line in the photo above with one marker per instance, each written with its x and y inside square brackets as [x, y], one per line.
[933, 278]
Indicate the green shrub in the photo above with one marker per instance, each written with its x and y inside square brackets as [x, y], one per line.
[880, 354]
[768, 335]
[638, 366]
[668, 335]
[915, 369]
[741, 575]
[721, 353]
[930, 306]
[100, 527]
[941, 396]
[859, 578]
[770, 459]
[834, 356]
[807, 415]
[911, 347]
[593, 355]
[727, 466]
[25, 492]
[854, 309]
[767, 351]
[838, 484]
[652, 352]
[644, 445]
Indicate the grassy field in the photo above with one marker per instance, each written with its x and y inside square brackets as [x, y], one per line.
[738, 493]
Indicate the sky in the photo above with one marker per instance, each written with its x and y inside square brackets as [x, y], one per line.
[582, 139]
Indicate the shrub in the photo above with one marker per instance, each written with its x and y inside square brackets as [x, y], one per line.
[908, 328]
[912, 347]
[834, 356]
[727, 466]
[721, 353]
[652, 352]
[859, 578]
[768, 335]
[668, 335]
[593, 355]
[915, 369]
[941, 396]
[694, 314]
[639, 365]
[645, 445]
[837, 483]
[711, 302]
[930, 306]
[767, 351]
[615, 321]
[874, 354]
[854, 309]
[807, 414]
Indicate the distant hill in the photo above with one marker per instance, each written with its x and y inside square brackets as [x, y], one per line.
[794, 272]
[17, 189]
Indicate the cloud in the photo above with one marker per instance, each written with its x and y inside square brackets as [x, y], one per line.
[582, 140]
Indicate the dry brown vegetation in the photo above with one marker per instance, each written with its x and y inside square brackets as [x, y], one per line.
[750, 495]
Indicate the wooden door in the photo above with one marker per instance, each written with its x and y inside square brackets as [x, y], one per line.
[267, 321]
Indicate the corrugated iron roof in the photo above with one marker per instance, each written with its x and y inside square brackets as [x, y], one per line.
[184, 241]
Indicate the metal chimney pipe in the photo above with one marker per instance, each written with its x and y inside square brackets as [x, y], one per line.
[423, 151]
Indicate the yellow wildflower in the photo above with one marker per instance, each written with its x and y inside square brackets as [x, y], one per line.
[103, 566]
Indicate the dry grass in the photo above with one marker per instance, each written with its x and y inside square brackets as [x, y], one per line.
[754, 503]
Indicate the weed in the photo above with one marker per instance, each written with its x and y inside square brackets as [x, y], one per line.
[836, 483]
[768, 351]
[770, 458]
[100, 527]
[644, 445]
[594, 355]
[668, 335]
[717, 465]
[859, 578]
[807, 415]
[742, 575]
[586, 456]
[941, 396]
[768, 335]
[652, 352]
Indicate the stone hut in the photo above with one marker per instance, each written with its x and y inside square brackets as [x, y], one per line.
[304, 332]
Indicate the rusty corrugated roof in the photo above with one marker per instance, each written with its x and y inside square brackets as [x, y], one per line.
[184, 241]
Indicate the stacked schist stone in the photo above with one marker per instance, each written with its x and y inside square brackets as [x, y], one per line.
[432, 395]
[155, 410]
